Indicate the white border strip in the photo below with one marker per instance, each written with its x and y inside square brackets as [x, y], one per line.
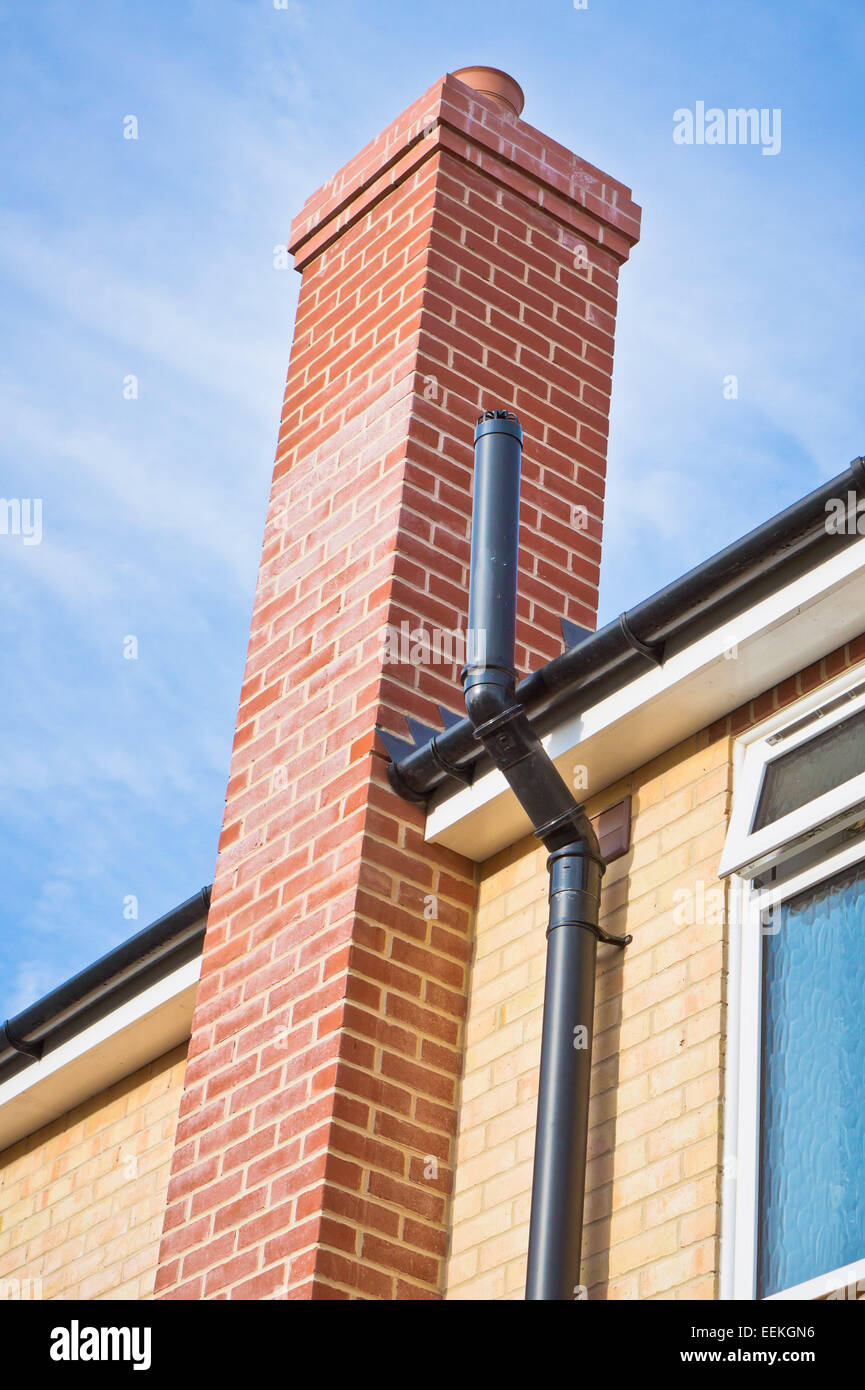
[140, 1030]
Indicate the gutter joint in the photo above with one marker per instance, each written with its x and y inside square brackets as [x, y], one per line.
[29, 1049]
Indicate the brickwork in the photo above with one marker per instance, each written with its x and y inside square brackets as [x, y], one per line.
[82, 1200]
[653, 1179]
[779, 696]
[652, 1187]
[314, 1147]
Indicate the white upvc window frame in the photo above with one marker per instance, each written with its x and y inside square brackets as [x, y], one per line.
[747, 851]
[748, 907]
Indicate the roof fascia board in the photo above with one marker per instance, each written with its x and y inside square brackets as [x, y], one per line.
[783, 633]
[140, 1030]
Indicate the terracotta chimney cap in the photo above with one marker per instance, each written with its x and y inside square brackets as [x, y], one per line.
[492, 82]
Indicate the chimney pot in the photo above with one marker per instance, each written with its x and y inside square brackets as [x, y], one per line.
[505, 91]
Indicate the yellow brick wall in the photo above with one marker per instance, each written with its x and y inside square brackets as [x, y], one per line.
[82, 1200]
[653, 1177]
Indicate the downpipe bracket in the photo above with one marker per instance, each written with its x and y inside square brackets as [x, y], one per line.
[611, 939]
[575, 885]
[597, 931]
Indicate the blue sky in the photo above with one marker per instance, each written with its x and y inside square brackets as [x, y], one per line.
[154, 258]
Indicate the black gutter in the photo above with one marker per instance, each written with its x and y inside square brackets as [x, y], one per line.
[760, 563]
[575, 864]
[91, 994]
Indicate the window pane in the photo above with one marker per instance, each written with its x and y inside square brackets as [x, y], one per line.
[812, 1162]
[814, 767]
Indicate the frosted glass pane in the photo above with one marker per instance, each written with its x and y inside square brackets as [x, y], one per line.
[812, 1161]
[814, 767]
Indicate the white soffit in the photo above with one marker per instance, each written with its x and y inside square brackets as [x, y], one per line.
[801, 623]
[132, 1035]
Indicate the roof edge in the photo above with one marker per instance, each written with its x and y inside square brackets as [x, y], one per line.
[100, 987]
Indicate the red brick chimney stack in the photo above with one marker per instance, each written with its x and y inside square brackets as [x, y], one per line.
[462, 260]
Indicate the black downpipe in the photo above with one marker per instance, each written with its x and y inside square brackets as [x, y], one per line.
[575, 864]
[558, 1181]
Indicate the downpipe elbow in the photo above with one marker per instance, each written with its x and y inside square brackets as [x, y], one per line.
[488, 692]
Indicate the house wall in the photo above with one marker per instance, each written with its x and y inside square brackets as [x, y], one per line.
[652, 1187]
[82, 1200]
[652, 1221]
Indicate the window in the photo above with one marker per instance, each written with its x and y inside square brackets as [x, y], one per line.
[820, 764]
[794, 1192]
[798, 783]
[811, 1205]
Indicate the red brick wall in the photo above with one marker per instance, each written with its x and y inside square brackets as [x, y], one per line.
[314, 1146]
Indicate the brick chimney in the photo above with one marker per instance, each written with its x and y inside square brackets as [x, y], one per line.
[461, 261]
